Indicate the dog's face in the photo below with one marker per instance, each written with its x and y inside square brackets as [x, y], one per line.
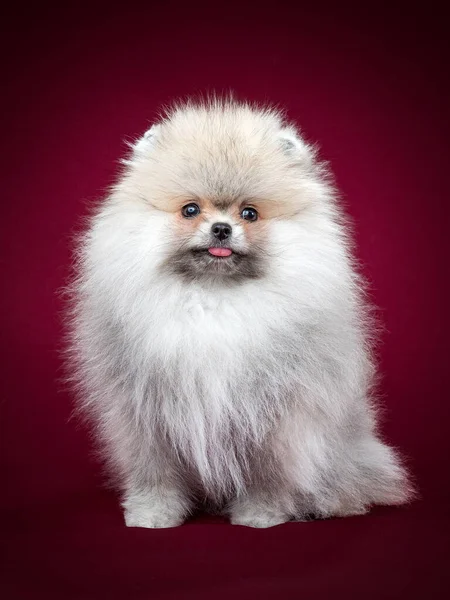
[221, 179]
[218, 239]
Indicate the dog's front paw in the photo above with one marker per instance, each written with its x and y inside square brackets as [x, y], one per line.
[260, 521]
[152, 518]
[154, 511]
[257, 516]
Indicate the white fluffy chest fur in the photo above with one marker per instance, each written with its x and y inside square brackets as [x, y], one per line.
[214, 371]
[206, 325]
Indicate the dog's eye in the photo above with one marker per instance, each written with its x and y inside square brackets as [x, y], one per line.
[190, 210]
[249, 214]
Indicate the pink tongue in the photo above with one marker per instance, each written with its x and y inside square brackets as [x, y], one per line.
[220, 251]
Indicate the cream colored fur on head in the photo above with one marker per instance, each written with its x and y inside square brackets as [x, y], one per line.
[244, 381]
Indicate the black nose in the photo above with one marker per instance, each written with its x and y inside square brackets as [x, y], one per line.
[221, 231]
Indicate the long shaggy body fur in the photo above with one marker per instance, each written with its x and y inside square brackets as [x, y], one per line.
[245, 382]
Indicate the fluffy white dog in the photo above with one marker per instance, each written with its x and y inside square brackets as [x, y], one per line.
[220, 338]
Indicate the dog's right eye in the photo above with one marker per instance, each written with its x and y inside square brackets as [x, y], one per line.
[190, 210]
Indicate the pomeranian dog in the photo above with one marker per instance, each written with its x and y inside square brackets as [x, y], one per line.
[220, 337]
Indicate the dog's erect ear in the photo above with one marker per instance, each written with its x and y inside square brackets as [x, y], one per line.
[295, 148]
[291, 142]
[145, 144]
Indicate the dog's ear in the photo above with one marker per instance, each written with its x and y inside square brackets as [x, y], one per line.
[295, 148]
[145, 143]
[291, 142]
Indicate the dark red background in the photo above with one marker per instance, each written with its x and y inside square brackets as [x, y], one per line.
[370, 86]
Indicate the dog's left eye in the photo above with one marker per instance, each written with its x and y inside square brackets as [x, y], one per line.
[190, 210]
[249, 214]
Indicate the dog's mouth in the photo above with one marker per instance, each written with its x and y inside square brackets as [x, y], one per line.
[220, 252]
[215, 261]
